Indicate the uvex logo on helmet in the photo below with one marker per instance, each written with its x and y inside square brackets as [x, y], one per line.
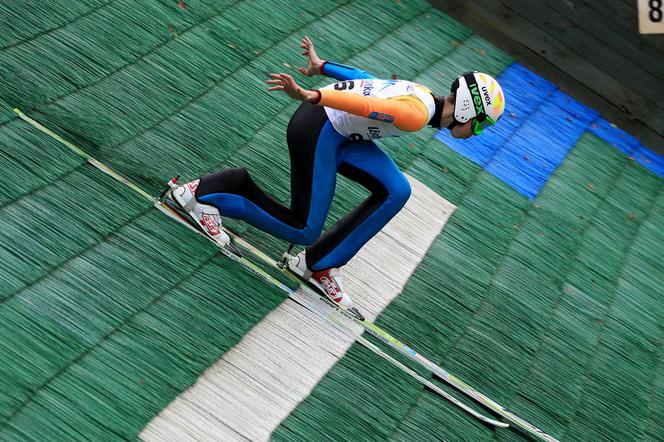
[477, 99]
[487, 98]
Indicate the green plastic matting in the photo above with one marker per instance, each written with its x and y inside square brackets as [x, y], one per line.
[109, 311]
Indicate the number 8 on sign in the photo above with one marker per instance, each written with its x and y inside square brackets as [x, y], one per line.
[651, 16]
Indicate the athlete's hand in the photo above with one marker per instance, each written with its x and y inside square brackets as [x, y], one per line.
[286, 83]
[313, 67]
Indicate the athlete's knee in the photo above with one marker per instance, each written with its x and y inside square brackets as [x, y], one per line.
[398, 193]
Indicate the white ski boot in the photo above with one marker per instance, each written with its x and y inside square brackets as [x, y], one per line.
[328, 281]
[206, 216]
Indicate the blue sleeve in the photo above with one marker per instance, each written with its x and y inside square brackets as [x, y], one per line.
[342, 72]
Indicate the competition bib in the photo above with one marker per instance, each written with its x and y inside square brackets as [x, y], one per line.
[377, 125]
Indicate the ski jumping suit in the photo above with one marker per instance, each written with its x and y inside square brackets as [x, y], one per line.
[333, 135]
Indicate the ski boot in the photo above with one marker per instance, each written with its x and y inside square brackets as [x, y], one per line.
[202, 216]
[328, 282]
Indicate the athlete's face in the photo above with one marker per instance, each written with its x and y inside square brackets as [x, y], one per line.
[463, 130]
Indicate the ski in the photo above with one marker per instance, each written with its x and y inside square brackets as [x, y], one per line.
[324, 310]
[372, 329]
[334, 321]
[432, 367]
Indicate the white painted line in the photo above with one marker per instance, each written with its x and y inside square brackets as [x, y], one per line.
[255, 385]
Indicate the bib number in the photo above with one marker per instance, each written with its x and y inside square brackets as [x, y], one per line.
[343, 85]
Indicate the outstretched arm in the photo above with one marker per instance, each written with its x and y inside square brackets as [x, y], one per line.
[316, 66]
[405, 112]
[342, 72]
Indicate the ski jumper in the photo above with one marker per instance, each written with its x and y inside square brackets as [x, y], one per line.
[332, 136]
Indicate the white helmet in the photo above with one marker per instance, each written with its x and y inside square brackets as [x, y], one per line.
[478, 96]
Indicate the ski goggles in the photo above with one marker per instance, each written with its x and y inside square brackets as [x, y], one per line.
[481, 122]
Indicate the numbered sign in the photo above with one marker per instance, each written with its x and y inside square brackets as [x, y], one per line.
[651, 16]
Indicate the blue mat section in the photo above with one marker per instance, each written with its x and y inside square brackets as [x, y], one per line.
[540, 126]
[533, 90]
[537, 147]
